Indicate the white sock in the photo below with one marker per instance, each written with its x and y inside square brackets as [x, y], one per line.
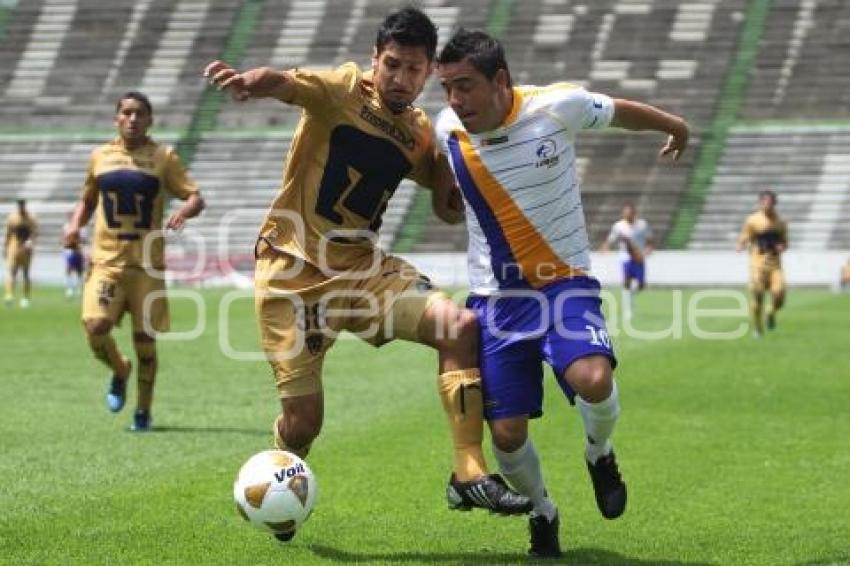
[599, 420]
[522, 470]
[626, 301]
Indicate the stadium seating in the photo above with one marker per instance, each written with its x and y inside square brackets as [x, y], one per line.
[64, 62]
[807, 168]
[798, 83]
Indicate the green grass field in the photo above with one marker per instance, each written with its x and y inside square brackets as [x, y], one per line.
[735, 452]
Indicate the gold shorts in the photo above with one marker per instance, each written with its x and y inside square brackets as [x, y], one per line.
[110, 291]
[767, 278]
[19, 258]
[300, 311]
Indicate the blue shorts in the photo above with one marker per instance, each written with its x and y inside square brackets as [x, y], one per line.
[74, 260]
[521, 329]
[634, 270]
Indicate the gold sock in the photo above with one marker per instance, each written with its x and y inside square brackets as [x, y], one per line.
[460, 391]
[281, 445]
[146, 372]
[106, 350]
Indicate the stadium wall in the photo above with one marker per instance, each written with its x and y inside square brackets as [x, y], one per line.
[664, 269]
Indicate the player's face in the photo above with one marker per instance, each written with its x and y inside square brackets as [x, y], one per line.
[629, 213]
[767, 204]
[479, 102]
[133, 120]
[400, 72]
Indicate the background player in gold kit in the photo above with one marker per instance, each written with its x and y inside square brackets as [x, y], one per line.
[319, 270]
[766, 235]
[21, 230]
[127, 185]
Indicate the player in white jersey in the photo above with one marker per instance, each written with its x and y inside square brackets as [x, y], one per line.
[511, 149]
[635, 240]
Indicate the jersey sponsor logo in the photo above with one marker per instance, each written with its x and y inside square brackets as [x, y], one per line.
[546, 153]
[388, 128]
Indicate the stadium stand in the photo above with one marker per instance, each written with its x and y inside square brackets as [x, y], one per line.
[800, 86]
[64, 62]
[808, 169]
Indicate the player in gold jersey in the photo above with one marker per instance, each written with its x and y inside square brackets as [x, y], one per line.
[127, 186]
[844, 280]
[766, 235]
[319, 270]
[21, 230]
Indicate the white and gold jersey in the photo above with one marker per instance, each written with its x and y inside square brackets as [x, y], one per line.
[638, 233]
[523, 202]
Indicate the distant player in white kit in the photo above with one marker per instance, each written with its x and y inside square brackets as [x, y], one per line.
[635, 240]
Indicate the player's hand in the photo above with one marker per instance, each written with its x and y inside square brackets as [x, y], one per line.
[677, 141]
[257, 83]
[176, 221]
[71, 237]
[225, 77]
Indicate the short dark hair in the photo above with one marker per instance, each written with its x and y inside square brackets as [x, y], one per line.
[135, 95]
[768, 193]
[483, 51]
[410, 27]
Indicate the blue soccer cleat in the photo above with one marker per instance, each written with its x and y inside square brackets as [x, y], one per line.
[116, 395]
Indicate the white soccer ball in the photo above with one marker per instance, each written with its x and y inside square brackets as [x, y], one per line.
[275, 491]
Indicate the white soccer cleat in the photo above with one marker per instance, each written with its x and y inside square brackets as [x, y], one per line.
[24, 303]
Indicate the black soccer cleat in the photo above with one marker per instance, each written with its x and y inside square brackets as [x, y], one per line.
[608, 486]
[771, 321]
[488, 492]
[545, 542]
[285, 537]
[142, 421]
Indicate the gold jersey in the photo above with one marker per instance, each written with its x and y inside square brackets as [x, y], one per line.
[131, 187]
[19, 229]
[764, 234]
[347, 157]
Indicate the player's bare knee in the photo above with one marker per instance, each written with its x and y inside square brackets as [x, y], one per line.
[592, 378]
[508, 434]
[97, 326]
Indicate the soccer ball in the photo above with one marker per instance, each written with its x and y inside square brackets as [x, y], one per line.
[275, 491]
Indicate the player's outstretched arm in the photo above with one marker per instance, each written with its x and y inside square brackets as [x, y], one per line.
[633, 115]
[191, 208]
[79, 218]
[261, 82]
